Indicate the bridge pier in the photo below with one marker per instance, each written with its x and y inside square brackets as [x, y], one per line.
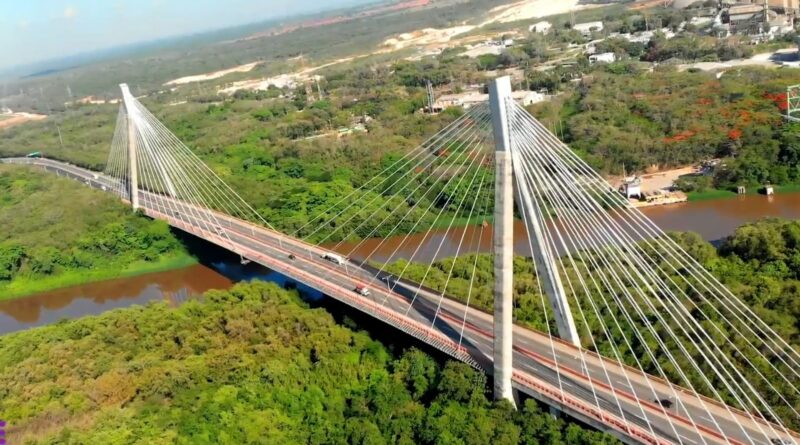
[503, 240]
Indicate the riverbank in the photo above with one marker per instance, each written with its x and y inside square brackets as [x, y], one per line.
[712, 194]
[23, 287]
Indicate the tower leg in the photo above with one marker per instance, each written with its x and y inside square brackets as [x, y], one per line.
[548, 274]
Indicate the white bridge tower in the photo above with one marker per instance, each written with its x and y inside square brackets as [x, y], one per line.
[503, 241]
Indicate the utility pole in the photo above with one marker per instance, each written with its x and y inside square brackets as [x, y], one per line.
[499, 97]
[133, 182]
[60, 140]
[319, 90]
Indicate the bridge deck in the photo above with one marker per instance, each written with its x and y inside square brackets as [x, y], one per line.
[574, 380]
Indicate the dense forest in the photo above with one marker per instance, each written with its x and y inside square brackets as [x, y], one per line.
[57, 232]
[759, 263]
[252, 365]
[664, 119]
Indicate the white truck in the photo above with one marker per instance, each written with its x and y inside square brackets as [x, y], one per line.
[333, 258]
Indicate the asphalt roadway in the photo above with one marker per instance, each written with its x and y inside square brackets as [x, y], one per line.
[573, 380]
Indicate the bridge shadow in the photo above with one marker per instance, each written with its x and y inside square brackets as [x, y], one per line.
[428, 309]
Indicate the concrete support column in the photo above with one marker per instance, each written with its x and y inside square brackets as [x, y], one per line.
[133, 167]
[499, 95]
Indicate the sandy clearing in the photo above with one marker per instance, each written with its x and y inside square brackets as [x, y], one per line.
[427, 36]
[521, 10]
[283, 80]
[665, 179]
[530, 9]
[773, 59]
[9, 120]
[213, 75]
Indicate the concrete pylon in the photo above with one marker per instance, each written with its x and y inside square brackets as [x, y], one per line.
[133, 166]
[543, 257]
[503, 240]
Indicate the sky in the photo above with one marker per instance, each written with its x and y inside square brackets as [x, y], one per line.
[37, 30]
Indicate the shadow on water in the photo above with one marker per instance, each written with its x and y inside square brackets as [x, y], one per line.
[229, 265]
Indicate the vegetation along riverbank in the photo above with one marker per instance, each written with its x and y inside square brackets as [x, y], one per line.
[58, 233]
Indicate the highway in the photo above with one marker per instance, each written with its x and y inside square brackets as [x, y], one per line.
[573, 380]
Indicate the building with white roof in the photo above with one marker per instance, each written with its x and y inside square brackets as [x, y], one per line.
[588, 27]
[603, 58]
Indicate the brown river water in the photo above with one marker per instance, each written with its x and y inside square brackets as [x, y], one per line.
[713, 220]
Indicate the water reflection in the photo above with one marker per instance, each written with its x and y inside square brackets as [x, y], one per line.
[711, 219]
[174, 287]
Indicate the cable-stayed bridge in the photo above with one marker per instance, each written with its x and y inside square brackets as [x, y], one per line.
[635, 337]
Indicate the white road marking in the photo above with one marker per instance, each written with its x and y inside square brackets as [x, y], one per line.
[686, 439]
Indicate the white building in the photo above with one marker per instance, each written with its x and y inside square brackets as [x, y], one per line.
[631, 187]
[542, 27]
[602, 58]
[526, 98]
[588, 27]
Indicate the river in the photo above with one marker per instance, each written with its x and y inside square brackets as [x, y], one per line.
[713, 220]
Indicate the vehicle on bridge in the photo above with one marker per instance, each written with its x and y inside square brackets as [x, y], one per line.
[362, 290]
[333, 258]
[666, 403]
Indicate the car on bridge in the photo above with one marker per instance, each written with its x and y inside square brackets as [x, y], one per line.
[666, 403]
[362, 290]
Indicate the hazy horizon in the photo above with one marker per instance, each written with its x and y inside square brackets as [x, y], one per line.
[40, 32]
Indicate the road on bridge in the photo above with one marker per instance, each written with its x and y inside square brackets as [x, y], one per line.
[557, 373]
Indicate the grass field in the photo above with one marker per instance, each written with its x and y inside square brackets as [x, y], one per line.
[710, 194]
